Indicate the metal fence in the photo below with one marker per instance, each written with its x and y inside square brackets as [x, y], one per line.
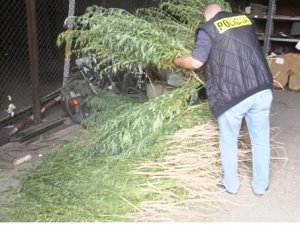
[26, 77]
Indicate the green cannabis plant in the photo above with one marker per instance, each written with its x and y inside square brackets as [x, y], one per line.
[114, 39]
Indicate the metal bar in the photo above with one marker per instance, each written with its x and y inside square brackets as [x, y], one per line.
[68, 44]
[269, 26]
[285, 40]
[288, 18]
[34, 59]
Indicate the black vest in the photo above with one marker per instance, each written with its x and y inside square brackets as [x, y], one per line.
[236, 67]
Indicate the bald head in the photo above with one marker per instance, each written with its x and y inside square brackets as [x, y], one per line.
[210, 11]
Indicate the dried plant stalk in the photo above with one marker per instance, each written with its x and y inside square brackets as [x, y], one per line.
[192, 162]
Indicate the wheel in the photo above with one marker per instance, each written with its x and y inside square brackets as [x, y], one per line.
[78, 109]
[75, 96]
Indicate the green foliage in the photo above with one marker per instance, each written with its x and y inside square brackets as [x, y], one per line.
[190, 12]
[106, 106]
[89, 179]
[115, 39]
[68, 189]
[180, 19]
[133, 130]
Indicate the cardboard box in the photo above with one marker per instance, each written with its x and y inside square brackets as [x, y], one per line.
[286, 71]
[279, 68]
[293, 60]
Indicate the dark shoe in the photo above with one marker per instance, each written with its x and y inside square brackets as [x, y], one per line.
[260, 194]
[222, 186]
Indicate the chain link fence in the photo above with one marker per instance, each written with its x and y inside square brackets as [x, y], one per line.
[17, 83]
[14, 61]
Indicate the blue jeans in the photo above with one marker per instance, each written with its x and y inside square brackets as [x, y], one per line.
[256, 110]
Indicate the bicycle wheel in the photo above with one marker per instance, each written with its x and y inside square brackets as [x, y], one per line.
[75, 95]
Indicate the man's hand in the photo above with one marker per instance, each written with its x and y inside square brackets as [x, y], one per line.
[188, 62]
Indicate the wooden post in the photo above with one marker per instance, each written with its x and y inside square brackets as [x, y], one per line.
[34, 59]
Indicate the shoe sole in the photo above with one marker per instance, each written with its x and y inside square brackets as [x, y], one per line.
[221, 186]
[261, 194]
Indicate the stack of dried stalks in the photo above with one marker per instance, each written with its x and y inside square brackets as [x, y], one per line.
[193, 162]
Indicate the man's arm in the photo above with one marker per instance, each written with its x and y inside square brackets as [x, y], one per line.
[188, 62]
[199, 55]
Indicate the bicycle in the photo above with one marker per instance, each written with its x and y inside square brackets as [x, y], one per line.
[83, 82]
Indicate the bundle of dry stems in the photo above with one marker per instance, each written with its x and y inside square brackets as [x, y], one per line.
[193, 162]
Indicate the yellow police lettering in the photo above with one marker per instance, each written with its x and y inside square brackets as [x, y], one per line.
[226, 23]
[237, 21]
[232, 22]
[219, 24]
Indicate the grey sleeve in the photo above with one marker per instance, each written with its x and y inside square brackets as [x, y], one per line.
[202, 46]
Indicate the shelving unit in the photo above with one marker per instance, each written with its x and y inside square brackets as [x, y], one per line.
[272, 17]
[278, 18]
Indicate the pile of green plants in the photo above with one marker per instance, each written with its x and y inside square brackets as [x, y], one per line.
[114, 39]
[90, 178]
